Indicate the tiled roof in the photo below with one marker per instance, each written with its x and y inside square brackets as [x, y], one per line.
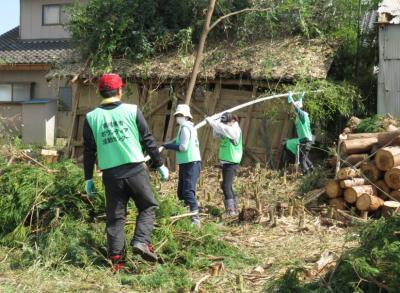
[13, 50]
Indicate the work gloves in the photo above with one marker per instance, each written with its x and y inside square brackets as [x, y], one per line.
[290, 98]
[89, 188]
[171, 146]
[164, 173]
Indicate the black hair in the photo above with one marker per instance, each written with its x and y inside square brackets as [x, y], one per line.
[109, 93]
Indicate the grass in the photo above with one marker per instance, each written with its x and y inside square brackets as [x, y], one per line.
[52, 238]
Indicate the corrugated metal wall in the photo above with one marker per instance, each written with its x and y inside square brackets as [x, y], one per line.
[389, 70]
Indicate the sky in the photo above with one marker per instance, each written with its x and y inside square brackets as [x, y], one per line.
[9, 15]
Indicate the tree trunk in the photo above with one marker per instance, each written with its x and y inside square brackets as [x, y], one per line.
[395, 194]
[200, 50]
[392, 178]
[347, 173]
[387, 158]
[352, 182]
[383, 137]
[390, 208]
[337, 203]
[370, 171]
[356, 158]
[332, 189]
[353, 193]
[358, 146]
[367, 202]
[382, 189]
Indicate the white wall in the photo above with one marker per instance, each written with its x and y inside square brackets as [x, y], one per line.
[31, 21]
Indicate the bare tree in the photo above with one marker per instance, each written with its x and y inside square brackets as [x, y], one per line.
[208, 26]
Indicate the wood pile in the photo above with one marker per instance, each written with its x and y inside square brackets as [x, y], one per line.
[368, 177]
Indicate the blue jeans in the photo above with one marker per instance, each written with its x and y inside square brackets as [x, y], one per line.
[189, 173]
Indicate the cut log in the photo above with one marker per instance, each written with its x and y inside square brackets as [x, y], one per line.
[352, 182]
[353, 193]
[392, 178]
[347, 173]
[382, 189]
[338, 203]
[370, 171]
[387, 158]
[395, 194]
[390, 208]
[332, 189]
[383, 137]
[357, 146]
[367, 202]
[356, 158]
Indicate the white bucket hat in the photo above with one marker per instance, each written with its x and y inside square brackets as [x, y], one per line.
[299, 104]
[184, 110]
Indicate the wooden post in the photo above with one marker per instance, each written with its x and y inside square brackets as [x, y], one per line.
[73, 119]
[213, 105]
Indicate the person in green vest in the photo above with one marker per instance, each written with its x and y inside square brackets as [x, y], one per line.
[188, 158]
[301, 146]
[230, 155]
[113, 132]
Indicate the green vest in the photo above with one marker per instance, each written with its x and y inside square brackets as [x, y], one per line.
[229, 152]
[116, 135]
[303, 129]
[192, 154]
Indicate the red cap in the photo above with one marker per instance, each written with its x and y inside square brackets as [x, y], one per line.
[110, 82]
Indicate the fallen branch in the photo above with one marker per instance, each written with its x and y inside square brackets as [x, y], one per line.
[178, 217]
[351, 218]
[202, 280]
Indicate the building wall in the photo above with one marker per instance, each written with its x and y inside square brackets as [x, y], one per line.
[389, 70]
[11, 113]
[31, 24]
[264, 126]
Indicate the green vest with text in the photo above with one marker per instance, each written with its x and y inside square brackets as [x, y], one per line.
[230, 152]
[303, 129]
[192, 154]
[116, 135]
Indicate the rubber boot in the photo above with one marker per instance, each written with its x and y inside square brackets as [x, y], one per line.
[230, 208]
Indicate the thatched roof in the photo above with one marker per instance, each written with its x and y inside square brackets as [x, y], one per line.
[285, 59]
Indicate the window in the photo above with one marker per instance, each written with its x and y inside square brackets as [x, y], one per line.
[15, 92]
[55, 14]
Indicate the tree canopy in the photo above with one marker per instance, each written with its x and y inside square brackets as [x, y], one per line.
[136, 30]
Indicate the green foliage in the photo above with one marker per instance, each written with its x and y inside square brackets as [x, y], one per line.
[313, 180]
[375, 123]
[373, 267]
[331, 100]
[48, 224]
[30, 197]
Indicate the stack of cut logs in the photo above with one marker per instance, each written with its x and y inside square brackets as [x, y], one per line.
[370, 175]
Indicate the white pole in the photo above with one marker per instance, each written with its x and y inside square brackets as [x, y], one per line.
[238, 107]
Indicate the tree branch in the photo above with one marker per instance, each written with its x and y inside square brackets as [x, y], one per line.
[235, 13]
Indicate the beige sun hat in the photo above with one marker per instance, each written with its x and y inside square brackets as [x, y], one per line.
[184, 110]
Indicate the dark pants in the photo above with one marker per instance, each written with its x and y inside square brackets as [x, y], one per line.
[189, 173]
[118, 192]
[228, 174]
[304, 150]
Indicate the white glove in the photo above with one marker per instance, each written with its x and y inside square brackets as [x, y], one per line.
[209, 120]
[164, 172]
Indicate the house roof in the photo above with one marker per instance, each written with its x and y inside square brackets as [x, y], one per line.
[286, 59]
[13, 50]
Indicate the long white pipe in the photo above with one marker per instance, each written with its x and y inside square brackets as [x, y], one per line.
[238, 107]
